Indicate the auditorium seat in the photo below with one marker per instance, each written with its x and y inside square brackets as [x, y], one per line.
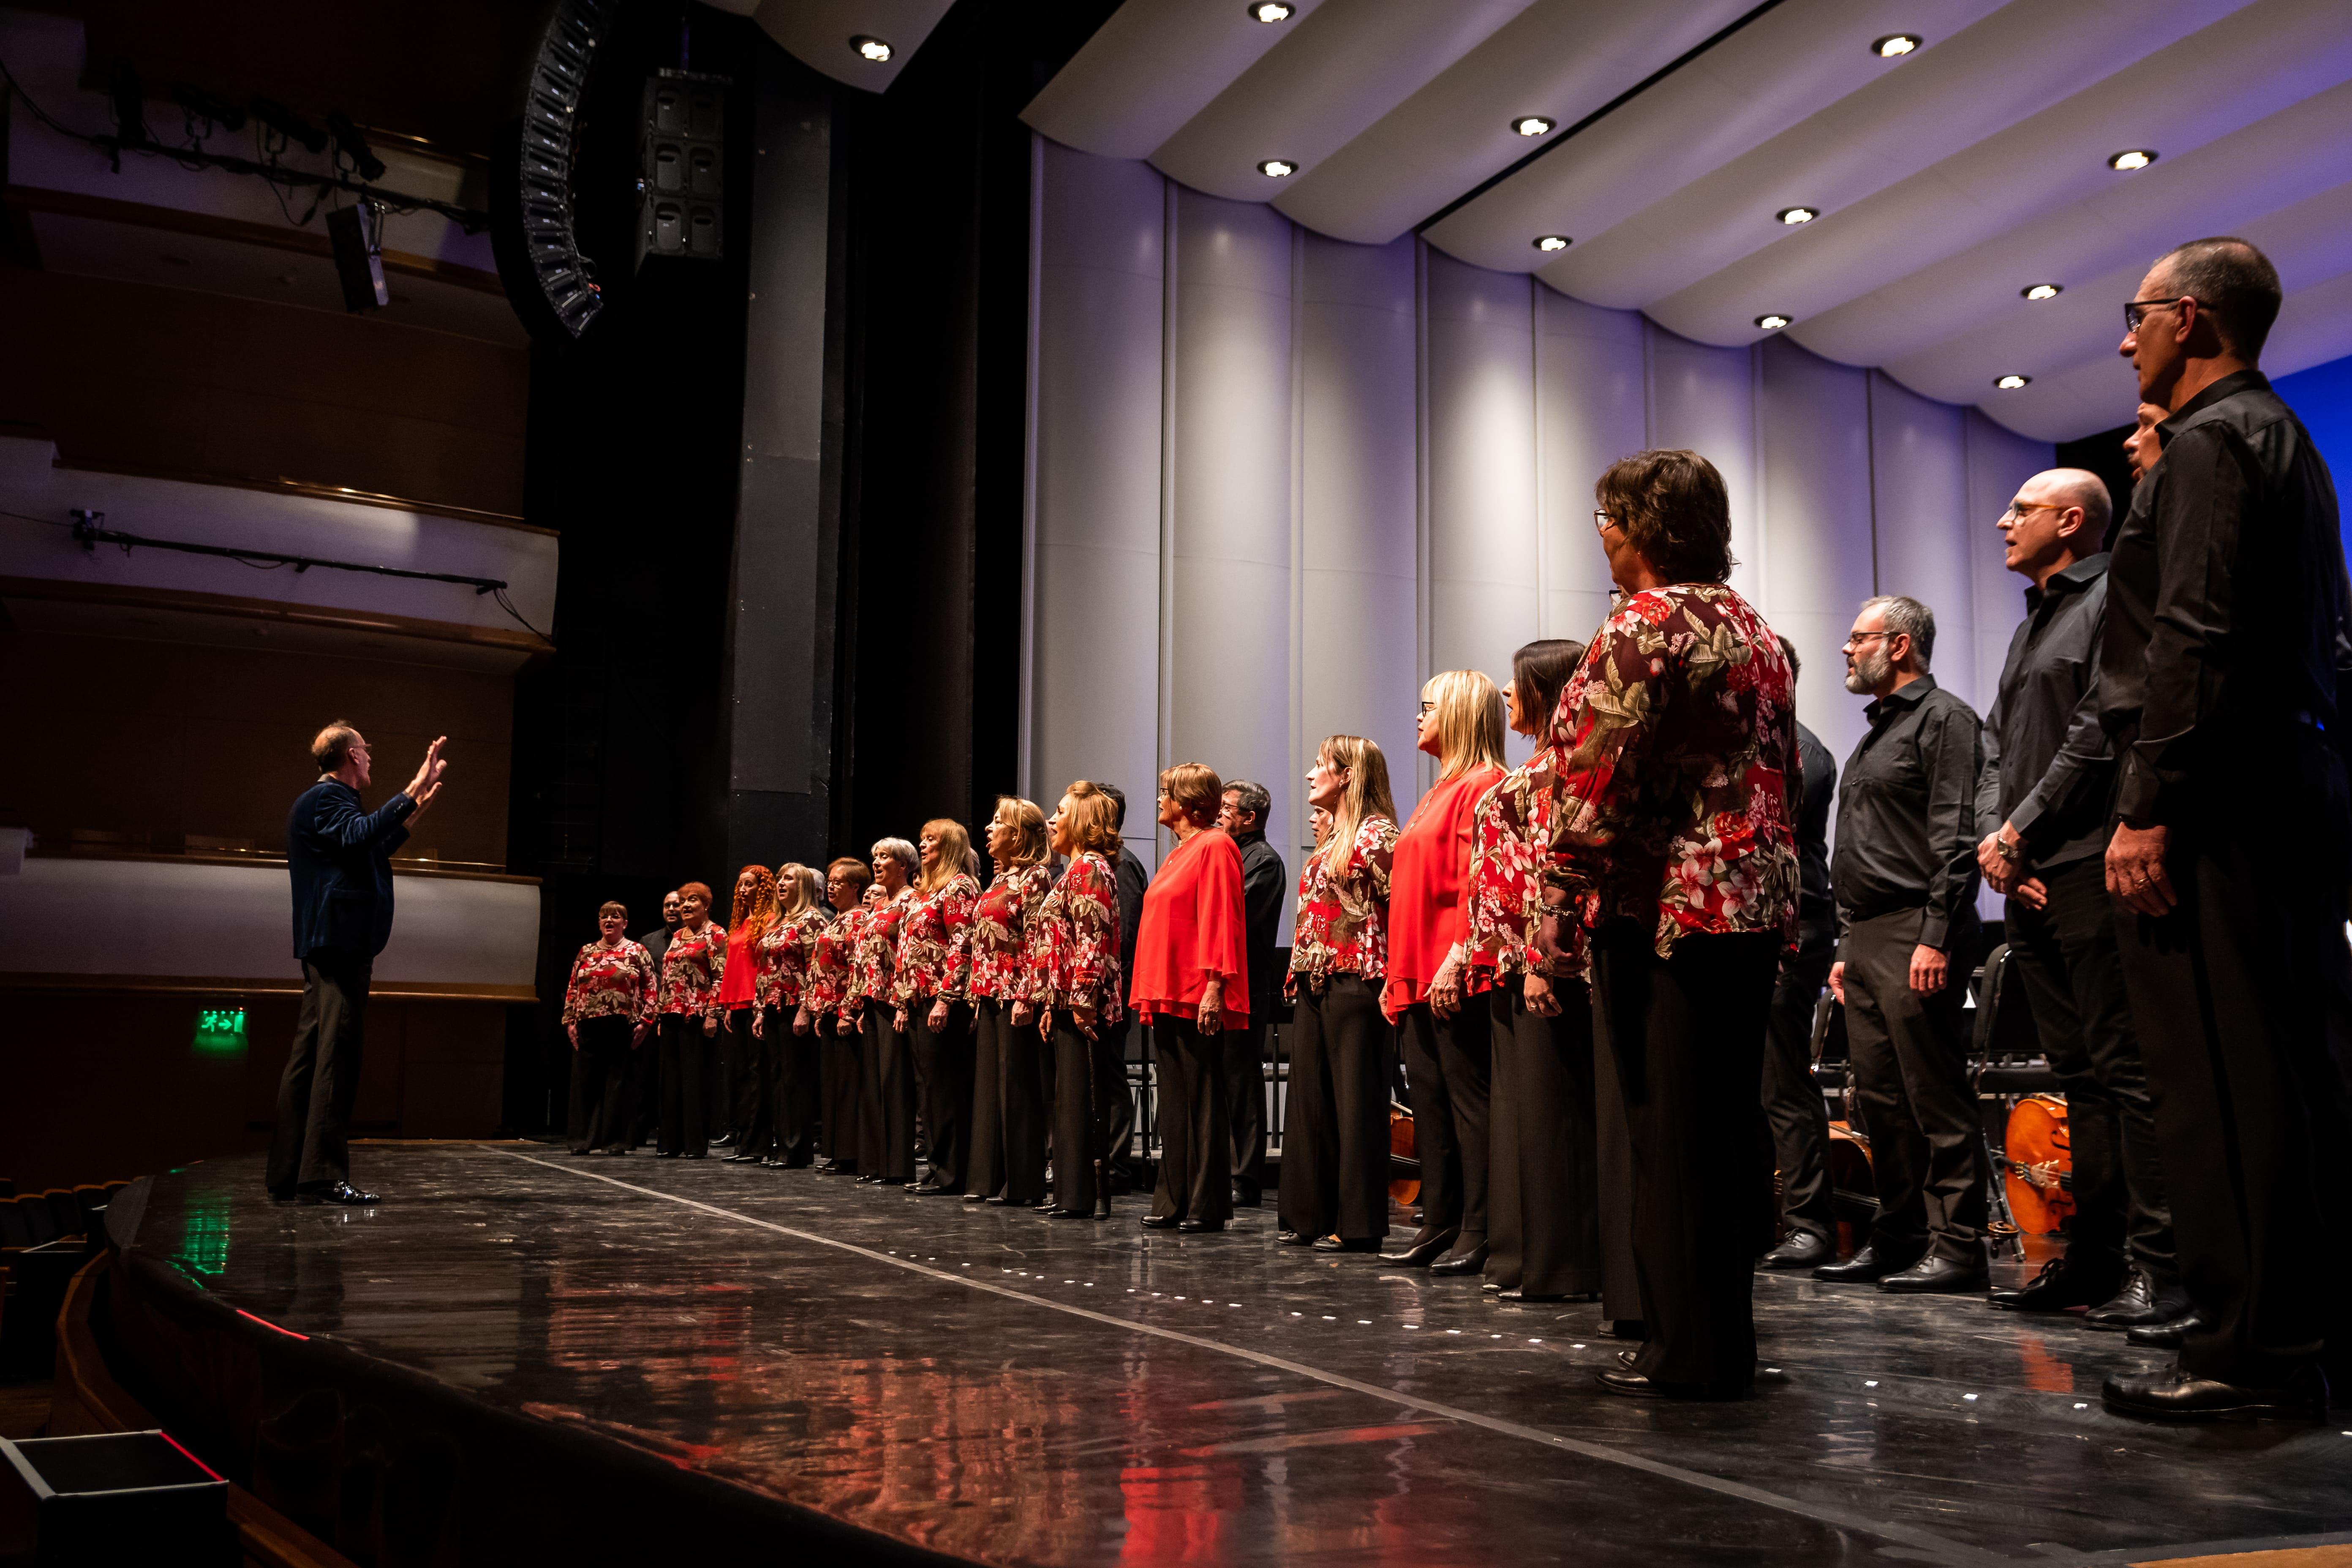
[39, 1222]
[65, 1209]
[7, 1188]
[13, 1231]
[91, 1198]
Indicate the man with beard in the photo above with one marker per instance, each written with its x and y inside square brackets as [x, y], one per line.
[639, 1119]
[1905, 876]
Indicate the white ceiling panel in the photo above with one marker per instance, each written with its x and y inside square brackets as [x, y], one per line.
[817, 32]
[1148, 69]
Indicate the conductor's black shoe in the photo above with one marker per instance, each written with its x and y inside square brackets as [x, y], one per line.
[2168, 1336]
[1933, 1275]
[1862, 1269]
[1420, 1254]
[2141, 1303]
[1798, 1250]
[338, 1192]
[1638, 1385]
[1356, 1244]
[1198, 1226]
[1471, 1262]
[2058, 1288]
[2175, 1397]
[1158, 1222]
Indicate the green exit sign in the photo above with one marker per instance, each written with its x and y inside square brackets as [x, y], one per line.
[220, 1032]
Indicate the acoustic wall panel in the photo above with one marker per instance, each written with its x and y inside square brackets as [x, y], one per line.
[1704, 399]
[1919, 483]
[1815, 421]
[1592, 408]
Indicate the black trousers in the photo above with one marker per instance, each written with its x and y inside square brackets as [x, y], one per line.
[1792, 1099]
[1196, 1149]
[641, 1101]
[1910, 1054]
[1129, 1043]
[1334, 1127]
[842, 1093]
[312, 1144]
[944, 1064]
[886, 1119]
[752, 1094]
[732, 1067]
[1009, 1120]
[1543, 1210]
[1687, 1036]
[1089, 1084]
[688, 1060]
[1245, 1057]
[2066, 954]
[601, 1068]
[1449, 1067]
[2238, 995]
[795, 1078]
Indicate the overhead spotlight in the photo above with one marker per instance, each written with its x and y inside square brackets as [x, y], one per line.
[1270, 11]
[202, 105]
[1895, 45]
[1772, 320]
[1276, 168]
[1552, 242]
[1795, 215]
[2011, 382]
[354, 146]
[1533, 125]
[288, 125]
[2043, 290]
[2132, 158]
[868, 48]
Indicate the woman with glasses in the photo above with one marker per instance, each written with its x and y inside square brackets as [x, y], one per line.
[933, 972]
[828, 1009]
[1008, 1099]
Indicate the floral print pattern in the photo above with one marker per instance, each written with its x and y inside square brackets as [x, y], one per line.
[1343, 908]
[876, 955]
[1511, 829]
[831, 958]
[692, 968]
[783, 954]
[617, 981]
[933, 957]
[1073, 941]
[998, 945]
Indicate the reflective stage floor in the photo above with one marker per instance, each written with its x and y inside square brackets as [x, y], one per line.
[998, 1387]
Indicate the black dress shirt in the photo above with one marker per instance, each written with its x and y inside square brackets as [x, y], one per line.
[1264, 883]
[2048, 770]
[1133, 877]
[2226, 603]
[656, 942]
[1816, 910]
[1906, 812]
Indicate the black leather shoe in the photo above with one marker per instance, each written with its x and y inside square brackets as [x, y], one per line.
[724, 1141]
[1247, 1196]
[1638, 1385]
[2057, 1287]
[341, 1194]
[1158, 1222]
[2142, 1303]
[1358, 1244]
[1516, 1294]
[1629, 1329]
[935, 1190]
[1933, 1275]
[1798, 1250]
[2175, 1397]
[1420, 1254]
[1864, 1266]
[1291, 1238]
[2168, 1336]
[1471, 1262]
[1199, 1226]
[742, 1157]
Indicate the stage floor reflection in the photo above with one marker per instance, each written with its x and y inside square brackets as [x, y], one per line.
[1001, 1386]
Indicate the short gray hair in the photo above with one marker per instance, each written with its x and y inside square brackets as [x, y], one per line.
[901, 851]
[1256, 800]
[1912, 619]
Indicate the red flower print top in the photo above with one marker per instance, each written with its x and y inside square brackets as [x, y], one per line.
[1677, 737]
[998, 946]
[1343, 908]
[1509, 830]
[692, 970]
[1429, 888]
[832, 960]
[617, 981]
[877, 952]
[1072, 941]
[783, 957]
[933, 958]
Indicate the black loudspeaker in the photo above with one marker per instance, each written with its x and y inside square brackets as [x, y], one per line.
[682, 167]
[358, 240]
[532, 208]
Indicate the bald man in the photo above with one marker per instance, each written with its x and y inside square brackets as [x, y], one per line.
[2041, 805]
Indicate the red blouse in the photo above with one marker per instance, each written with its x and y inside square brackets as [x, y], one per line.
[1343, 903]
[783, 956]
[617, 981]
[1071, 945]
[933, 959]
[740, 986]
[877, 947]
[1427, 881]
[998, 931]
[693, 969]
[1192, 928]
[830, 959]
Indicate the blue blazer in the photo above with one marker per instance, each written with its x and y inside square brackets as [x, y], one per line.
[341, 862]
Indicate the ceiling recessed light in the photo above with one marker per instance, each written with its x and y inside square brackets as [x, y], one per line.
[1533, 125]
[1269, 11]
[1795, 215]
[1772, 320]
[1551, 242]
[873, 49]
[2043, 290]
[2132, 158]
[1895, 45]
[2011, 382]
[1276, 168]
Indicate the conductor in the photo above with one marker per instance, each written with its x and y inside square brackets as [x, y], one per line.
[340, 859]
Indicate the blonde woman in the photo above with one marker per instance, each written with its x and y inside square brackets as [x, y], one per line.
[787, 1061]
[825, 1005]
[1433, 995]
[886, 1122]
[934, 971]
[1335, 1130]
[1070, 950]
[1008, 1077]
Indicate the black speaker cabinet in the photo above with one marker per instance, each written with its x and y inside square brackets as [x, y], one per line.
[682, 167]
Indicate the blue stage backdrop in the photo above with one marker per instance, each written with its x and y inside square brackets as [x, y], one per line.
[2323, 397]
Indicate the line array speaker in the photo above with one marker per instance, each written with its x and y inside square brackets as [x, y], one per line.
[534, 232]
[682, 167]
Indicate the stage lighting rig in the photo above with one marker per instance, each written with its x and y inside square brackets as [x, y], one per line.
[354, 146]
[130, 106]
[288, 125]
[202, 105]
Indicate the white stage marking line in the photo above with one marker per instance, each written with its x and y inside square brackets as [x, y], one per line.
[1927, 1543]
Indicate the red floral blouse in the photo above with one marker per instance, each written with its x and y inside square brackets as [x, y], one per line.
[782, 955]
[617, 981]
[1343, 908]
[831, 958]
[1072, 941]
[877, 953]
[1677, 737]
[934, 958]
[1510, 831]
[998, 925]
[692, 969]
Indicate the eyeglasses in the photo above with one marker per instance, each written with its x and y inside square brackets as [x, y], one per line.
[1600, 520]
[1854, 638]
[1427, 708]
[2017, 513]
[2137, 310]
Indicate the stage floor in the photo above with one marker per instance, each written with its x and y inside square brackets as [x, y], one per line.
[998, 1385]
